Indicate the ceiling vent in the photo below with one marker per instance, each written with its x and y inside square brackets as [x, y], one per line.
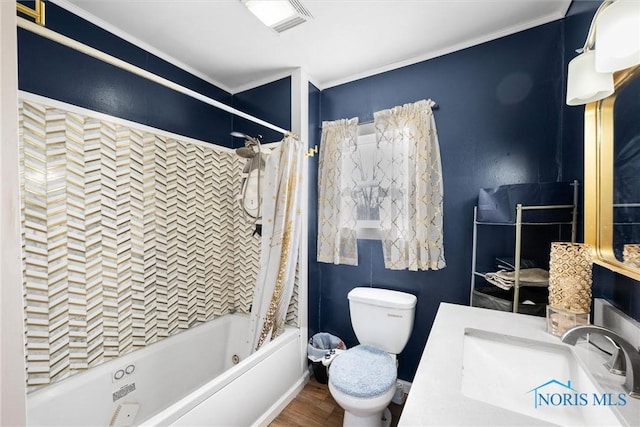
[279, 15]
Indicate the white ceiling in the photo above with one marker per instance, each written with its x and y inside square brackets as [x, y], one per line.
[221, 41]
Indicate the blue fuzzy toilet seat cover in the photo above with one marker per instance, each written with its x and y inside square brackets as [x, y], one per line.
[363, 371]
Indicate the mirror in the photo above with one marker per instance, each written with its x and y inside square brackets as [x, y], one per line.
[626, 171]
[612, 168]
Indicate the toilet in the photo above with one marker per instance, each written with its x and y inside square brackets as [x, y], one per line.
[362, 380]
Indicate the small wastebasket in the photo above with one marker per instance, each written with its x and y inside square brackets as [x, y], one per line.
[320, 345]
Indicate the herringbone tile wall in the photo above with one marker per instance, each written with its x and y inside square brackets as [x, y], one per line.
[128, 238]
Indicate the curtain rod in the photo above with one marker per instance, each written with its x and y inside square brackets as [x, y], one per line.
[102, 56]
[434, 106]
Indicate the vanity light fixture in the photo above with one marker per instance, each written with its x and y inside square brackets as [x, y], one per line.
[618, 36]
[279, 15]
[613, 44]
[584, 83]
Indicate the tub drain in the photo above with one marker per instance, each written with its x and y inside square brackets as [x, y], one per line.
[235, 359]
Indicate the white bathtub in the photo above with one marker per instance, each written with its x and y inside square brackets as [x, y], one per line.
[188, 379]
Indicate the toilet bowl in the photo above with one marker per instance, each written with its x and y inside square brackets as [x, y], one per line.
[362, 380]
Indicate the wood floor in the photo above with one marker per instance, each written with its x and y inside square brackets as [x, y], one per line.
[314, 407]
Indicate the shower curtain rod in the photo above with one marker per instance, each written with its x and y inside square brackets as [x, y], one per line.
[102, 56]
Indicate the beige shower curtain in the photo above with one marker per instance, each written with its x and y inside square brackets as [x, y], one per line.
[281, 232]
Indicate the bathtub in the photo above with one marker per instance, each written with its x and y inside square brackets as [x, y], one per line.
[197, 377]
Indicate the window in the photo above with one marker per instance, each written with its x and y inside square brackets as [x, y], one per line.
[361, 174]
[383, 182]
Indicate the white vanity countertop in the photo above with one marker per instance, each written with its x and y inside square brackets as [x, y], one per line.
[436, 397]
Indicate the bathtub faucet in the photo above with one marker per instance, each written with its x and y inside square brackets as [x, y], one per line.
[631, 354]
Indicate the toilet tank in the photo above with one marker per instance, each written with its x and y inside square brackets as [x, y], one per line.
[382, 317]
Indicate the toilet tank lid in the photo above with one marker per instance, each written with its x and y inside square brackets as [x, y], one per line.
[383, 297]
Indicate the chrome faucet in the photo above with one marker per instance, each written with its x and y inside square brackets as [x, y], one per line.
[631, 354]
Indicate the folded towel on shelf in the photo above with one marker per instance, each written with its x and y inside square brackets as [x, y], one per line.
[528, 277]
[509, 263]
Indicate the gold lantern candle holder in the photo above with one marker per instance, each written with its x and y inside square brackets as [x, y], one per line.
[631, 254]
[570, 279]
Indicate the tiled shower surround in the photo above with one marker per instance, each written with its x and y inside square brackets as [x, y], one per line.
[128, 238]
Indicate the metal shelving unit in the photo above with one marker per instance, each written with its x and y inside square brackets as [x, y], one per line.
[518, 224]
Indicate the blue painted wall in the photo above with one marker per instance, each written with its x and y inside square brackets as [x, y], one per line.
[315, 302]
[54, 71]
[498, 122]
[270, 102]
[501, 119]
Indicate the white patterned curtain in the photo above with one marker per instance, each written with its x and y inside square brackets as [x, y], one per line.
[410, 174]
[337, 240]
[281, 231]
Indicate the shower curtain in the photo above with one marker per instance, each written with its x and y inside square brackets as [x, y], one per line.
[281, 232]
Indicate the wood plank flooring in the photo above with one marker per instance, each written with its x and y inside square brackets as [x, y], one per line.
[314, 407]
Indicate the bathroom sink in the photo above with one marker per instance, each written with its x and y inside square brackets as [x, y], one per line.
[537, 379]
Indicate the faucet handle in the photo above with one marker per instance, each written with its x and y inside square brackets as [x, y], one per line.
[616, 365]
